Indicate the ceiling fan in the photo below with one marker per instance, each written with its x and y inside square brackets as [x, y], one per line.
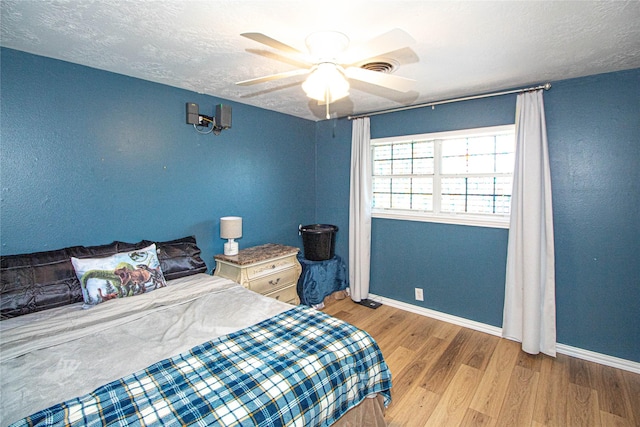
[330, 63]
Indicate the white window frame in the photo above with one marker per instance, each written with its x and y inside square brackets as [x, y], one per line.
[480, 220]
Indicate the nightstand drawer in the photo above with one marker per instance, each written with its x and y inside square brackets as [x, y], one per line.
[289, 295]
[270, 267]
[272, 282]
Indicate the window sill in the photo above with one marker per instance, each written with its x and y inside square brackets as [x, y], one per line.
[471, 220]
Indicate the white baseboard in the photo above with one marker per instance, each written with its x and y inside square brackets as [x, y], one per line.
[603, 359]
[591, 356]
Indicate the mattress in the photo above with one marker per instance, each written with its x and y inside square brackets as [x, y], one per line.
[43, 350]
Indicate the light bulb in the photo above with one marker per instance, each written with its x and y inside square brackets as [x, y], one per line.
[326, 83]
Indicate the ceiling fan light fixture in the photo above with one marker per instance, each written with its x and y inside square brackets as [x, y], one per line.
[326, 83]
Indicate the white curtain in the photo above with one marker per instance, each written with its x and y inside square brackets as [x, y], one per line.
[529, 307]
[360, 210]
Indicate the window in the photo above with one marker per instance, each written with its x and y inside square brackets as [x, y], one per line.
[461, 177]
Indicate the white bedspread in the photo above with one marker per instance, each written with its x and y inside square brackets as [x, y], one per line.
[55, 355]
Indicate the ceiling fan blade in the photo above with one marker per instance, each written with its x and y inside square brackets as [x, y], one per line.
[266, 40]
[298, 62]
[271, 77]
[397, 83]
[387, 42]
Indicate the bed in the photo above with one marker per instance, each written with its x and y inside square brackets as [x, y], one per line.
[201, 350]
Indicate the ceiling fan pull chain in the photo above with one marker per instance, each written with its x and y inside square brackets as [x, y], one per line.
[327, 94]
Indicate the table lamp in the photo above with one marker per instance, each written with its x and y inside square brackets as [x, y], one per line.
[231, 228]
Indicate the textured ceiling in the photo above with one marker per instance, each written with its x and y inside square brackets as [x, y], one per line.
[462, 47]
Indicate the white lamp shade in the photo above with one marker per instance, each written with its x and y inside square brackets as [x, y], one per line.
[326, 83]
[231, 227]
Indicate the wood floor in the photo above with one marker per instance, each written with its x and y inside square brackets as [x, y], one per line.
[447, 375]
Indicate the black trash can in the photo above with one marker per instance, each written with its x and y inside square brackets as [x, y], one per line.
[319, 241]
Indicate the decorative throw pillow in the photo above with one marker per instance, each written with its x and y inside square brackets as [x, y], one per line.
[121, 275]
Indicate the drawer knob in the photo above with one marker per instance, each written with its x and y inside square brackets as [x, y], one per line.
[274, 282]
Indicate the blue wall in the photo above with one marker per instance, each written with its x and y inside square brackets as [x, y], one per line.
[88, 157]
[333, 164]
[594, 143]
[593, 126]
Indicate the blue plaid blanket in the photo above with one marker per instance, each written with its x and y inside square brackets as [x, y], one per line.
[299, 368]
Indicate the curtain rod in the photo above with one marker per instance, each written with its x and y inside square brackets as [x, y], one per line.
[545, 86]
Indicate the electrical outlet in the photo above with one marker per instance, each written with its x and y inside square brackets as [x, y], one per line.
[419, 294]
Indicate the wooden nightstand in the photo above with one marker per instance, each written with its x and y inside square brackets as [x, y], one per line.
[272, 270]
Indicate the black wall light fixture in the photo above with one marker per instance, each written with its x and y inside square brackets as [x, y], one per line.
[220, 122]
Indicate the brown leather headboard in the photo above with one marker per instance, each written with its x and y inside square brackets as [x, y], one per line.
[44, 280]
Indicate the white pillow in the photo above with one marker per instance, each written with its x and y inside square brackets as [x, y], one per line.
[121, 275]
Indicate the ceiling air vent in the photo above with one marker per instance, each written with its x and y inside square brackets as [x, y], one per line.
[379, 66]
